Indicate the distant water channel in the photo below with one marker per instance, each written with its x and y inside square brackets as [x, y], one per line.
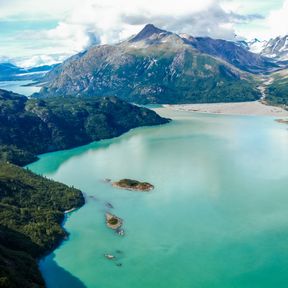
[218, 217]
[19, 87]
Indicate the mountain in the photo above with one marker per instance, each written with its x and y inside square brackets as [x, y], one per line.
[34, 126]
[277, 48]
[158, 66]
[256, 46]
[149, 32]
[11, 72]
[8, 71]
[236, 55]
[31, 212]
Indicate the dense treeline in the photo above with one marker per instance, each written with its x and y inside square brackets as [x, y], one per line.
[10, 153]
[277, 92]
[33, 126]
[31, 211]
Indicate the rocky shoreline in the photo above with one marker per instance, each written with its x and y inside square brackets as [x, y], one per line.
[112, 221]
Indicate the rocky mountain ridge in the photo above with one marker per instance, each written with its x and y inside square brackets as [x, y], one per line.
[158, 66]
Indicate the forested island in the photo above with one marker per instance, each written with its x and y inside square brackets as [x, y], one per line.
[135, 185]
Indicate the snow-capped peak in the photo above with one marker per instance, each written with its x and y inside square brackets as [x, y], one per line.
[256, 45]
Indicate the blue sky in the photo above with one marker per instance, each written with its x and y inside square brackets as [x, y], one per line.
[35, 32]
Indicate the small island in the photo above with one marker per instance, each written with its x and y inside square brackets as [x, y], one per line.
[113, 221]
[135, 185]
[283, 121]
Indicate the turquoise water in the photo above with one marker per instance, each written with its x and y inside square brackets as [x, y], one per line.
[218, 216]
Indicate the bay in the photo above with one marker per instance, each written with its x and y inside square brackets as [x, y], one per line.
[217, 217]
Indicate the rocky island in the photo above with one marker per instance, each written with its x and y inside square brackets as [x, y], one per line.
[135, 185]
[283, 121]
[113, 221]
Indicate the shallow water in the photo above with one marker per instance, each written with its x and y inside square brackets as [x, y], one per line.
[218, 216]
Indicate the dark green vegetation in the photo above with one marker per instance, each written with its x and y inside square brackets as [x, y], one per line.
[133, 185]
[157, 66]
[277, 92]
[31, 211]
[15, 155]
[113, 221]
[32, 207]
[31, 127]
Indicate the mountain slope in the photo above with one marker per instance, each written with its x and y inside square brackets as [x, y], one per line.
[232, 53]
[256, 45]
[155, 66]
[277, 48]
[277, 91]
[31, 212]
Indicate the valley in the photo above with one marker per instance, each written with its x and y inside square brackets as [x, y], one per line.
[191, 99]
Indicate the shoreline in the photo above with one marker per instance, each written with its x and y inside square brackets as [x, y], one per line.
[72, 209]
[253, 108]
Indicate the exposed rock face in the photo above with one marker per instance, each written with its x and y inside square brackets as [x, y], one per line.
[277, 48]
[158, 66]
[233, 54]
[148, 32]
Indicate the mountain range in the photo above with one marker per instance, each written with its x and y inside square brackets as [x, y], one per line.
[158, 66]
[275, 48]
[11, 72]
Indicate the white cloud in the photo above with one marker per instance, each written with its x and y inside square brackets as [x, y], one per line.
[109, 21]
[35, 9]
[39, 60]
[273, 23]
[278, 21]
[87, 22]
